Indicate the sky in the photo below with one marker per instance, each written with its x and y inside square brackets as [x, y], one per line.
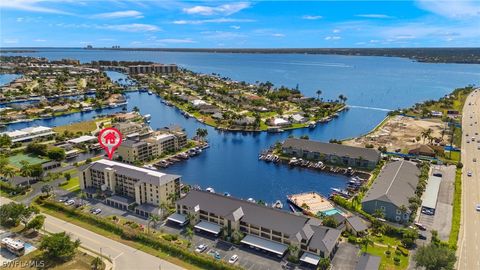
[233, 24]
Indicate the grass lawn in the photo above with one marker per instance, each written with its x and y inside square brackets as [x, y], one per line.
[32, 160]
[387, 240]
[387, 263]
[80, 261]
[84, 126]
[72, 185]
[457, 210]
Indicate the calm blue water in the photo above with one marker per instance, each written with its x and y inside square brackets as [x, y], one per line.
[6, 78]
[231, 164]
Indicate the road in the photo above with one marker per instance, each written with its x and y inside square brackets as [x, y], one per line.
[124, 257]
[469, 240]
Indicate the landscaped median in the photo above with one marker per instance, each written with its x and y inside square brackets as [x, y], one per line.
[456, 211]
[157, 246]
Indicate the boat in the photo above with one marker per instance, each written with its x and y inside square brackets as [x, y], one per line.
[292, 208]
[147, 117]
[226, 194]
[341, 192]
[251, 200]
[312, 124]
[211, 190]
[150, 92]
[293, 161]
[205, 146]
[277, 204]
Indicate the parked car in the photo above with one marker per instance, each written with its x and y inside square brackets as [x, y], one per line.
[97, 211]
[420, 226]
[70, 202]
[233, 259]
[478, 207]
[469, 173]
[427, 211]
[422, 236]
[201, 248]
[437, 174]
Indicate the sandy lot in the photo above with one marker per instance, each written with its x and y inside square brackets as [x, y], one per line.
[400, 132]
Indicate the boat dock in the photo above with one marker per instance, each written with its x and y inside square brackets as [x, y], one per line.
[311, 203]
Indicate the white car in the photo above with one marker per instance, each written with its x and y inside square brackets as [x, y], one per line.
[201, 248]
[478, 207]
[97, 211]
[469, 173]
[70, 202]
[233, 259]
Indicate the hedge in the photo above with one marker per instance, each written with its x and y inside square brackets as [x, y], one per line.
[142, 238]
[456, 211]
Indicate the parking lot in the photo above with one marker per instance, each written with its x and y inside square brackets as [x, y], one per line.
[442, 220]
[346, 257]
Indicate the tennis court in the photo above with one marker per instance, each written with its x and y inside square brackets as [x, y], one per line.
[32, 160]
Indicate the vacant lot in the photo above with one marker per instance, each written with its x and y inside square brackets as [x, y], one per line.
[400, 132]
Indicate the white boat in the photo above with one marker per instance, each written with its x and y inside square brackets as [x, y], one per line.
[150, 92]
[278, 204]
[211, 190]
[251, 200]
[147, 117]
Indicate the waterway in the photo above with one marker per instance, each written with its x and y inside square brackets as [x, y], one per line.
[372, 84]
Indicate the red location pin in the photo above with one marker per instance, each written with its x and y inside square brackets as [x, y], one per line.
[110, 139]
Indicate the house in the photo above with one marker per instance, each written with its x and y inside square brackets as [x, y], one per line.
[356, 225]
[298, 118]
[422, 150]
[336, 154]
[28, 134]
[278, 122]
[265, 228]
[389, 193]
[198, 102]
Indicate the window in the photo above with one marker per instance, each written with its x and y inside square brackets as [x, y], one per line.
[398, 218]
[382, 208]
[399, 212]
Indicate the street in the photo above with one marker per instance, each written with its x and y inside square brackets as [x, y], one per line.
[469, 238]
[123, 257]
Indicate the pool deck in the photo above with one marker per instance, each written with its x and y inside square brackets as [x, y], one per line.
[315, 202]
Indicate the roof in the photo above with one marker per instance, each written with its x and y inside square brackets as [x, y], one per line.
[19, 180]
[422, 148]
[82, 139]
[339, 218]
[265, 244]
[297, 227]
[396, 183]
[430, 195]
[332, 149]
[357, 224]
[144, 175]
[368, 262]
[131, 143]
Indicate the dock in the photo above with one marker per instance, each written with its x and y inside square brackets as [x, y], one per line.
[311, 203]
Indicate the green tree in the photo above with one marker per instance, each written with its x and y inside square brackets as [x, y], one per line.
[189, 233]
[56, 153]
[11, 213]
[67, 176]
[324, 264]
[36, 223]
[59, 246]
[366, 241]
[5, 141]
[435, 257]
[329, 221]
[318, 92]
[36, 149]
[96, 263]
[152, 219]
[202, 133]
[47, 189]
[8, 172]
[408, 238]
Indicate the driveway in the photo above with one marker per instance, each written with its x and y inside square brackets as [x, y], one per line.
[346, 257]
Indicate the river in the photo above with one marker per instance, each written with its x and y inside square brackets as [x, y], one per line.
[372, 84]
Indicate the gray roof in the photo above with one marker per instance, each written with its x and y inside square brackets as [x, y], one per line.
[368, 262]
[431, 192]
[396, 183]
[332, 149]
[339, 218]
[20, 180]
[357, 223]
[132, 143]
[297, 227]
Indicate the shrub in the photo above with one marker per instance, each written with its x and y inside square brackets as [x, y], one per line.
[388, 252]
[398, 252]
[352, 239]
[167, 237]
[396, 260]
[402, 250]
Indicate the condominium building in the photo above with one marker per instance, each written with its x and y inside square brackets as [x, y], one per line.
[28, 134]
[157, 144]
[332, 153]
[133, 129]
[129, 187]
[261, 227]
[153, 68]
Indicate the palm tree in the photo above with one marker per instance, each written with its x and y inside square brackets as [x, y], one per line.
[8, 172]
[366, 241]
[163, 208]
[47, 189]
[202, 133]
[26, 170]
[82, 196]
[96, 263]
[152, 219]
[189, 233]
[319, 92]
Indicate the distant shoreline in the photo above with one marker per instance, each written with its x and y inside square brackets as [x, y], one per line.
[427, 55]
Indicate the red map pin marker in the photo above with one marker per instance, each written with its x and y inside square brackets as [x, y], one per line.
[110, 139]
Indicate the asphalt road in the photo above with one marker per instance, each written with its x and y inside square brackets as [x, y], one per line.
[469, 240]
[124, 257]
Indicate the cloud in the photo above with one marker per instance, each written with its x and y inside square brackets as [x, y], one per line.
[333, 38]
[460, 9]
[20, 19]
[133, 27]
[39, 40]
[10, 41]
[219, 20]
[222, 35]
[336, 30]
[30, 5]
[119, 14]
[176, 40]
[236, 27]
[278, 35]
[225, 10]
[312, 17]
[375, 16]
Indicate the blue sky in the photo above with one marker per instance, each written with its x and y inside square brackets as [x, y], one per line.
[229, 24]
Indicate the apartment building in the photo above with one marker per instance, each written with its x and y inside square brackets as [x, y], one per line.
[29, 134]
[332, 153]
[261, 227]
[133, 129]
[153, 68]
[129, 187]
[158, 143]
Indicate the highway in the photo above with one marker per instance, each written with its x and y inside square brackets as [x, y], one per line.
[123, 257]
[469, 239]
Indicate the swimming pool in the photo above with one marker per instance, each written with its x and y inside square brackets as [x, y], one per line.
[332, 212]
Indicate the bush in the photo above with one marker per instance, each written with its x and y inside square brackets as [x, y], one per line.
[402, 250]
[459, 165]
[352, 239]
[396, 260]
[388, 252]
[398, 252]
[167, 237]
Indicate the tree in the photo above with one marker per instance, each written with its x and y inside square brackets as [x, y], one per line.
[136, 109]
[58, 246]
[96, 263]
[378, 213]
[36, 223]
[318, 92]
[329, 221]
[152, 219]
[67, 176]
[202, 133]
[435, 257]
[10, 214]
[8, 172]
[366, 241]
[189, 233]
[5, 141]
[36, 149]
[47, 189]
[26, 170]
[56, 153]
[324, 263]
[408, 238]
[36, 171]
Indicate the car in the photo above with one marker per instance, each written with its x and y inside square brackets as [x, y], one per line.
[233, 259]
[214, 254]
[62, 200]
[437, 174]
[469, 173]
[474, 160]
[478, 207]
[427, 211]
[70, 202]
[422, 236]
[420, 226]
[97, 211]
[201, 248]
[473, 139]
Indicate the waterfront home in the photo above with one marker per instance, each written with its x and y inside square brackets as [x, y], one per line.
[298, 118]
[28, 134]
[129, 187]
[337, 154]
[153, 68]
[422, 150]
[258, 226]
[198, 102]
[277, 121]
[133, 128]
[389, 193]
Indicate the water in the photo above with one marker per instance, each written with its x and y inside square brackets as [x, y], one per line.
[372, 84]
[6, 78]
